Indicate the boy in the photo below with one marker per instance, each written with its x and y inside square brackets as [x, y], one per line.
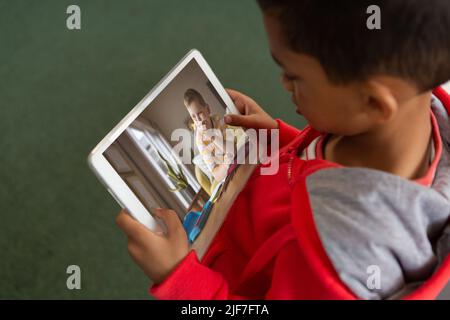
[360, 205]
[210, 135]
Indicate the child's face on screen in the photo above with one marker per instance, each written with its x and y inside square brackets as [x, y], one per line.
[326, 106]
[200, 114]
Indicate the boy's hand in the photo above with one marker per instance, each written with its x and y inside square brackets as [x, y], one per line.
[157, 254]
[252, 115]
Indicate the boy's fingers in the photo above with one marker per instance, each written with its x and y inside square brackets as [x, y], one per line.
[249, 121]
[171, 220]
[133, 249]
[233, 93]
[126, 223]
[238, 100]
[132, 228]
[236, 120]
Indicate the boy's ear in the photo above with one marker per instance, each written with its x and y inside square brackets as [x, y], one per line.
[379, 100]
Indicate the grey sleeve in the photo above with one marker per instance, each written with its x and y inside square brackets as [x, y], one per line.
[370, 221]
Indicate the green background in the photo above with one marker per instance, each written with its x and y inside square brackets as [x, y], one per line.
[61, 91]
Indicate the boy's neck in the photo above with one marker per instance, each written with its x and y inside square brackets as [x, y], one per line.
[401, 147]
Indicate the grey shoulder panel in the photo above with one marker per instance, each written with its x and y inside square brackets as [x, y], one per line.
[370, 219]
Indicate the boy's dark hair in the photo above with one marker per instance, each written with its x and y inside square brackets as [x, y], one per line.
[191, 95]
[413, 42]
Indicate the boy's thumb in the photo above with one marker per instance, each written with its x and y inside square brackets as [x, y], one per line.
[169, 217]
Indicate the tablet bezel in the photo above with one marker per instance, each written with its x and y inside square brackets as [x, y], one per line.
[116, 186]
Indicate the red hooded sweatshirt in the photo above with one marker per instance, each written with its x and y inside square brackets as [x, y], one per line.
[268, 246]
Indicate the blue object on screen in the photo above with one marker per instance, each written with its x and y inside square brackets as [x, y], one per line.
[194, 221]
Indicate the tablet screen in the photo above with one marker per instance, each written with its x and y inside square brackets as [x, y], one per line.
[178, 152]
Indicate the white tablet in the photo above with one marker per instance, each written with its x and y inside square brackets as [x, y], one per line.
[136, 160]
